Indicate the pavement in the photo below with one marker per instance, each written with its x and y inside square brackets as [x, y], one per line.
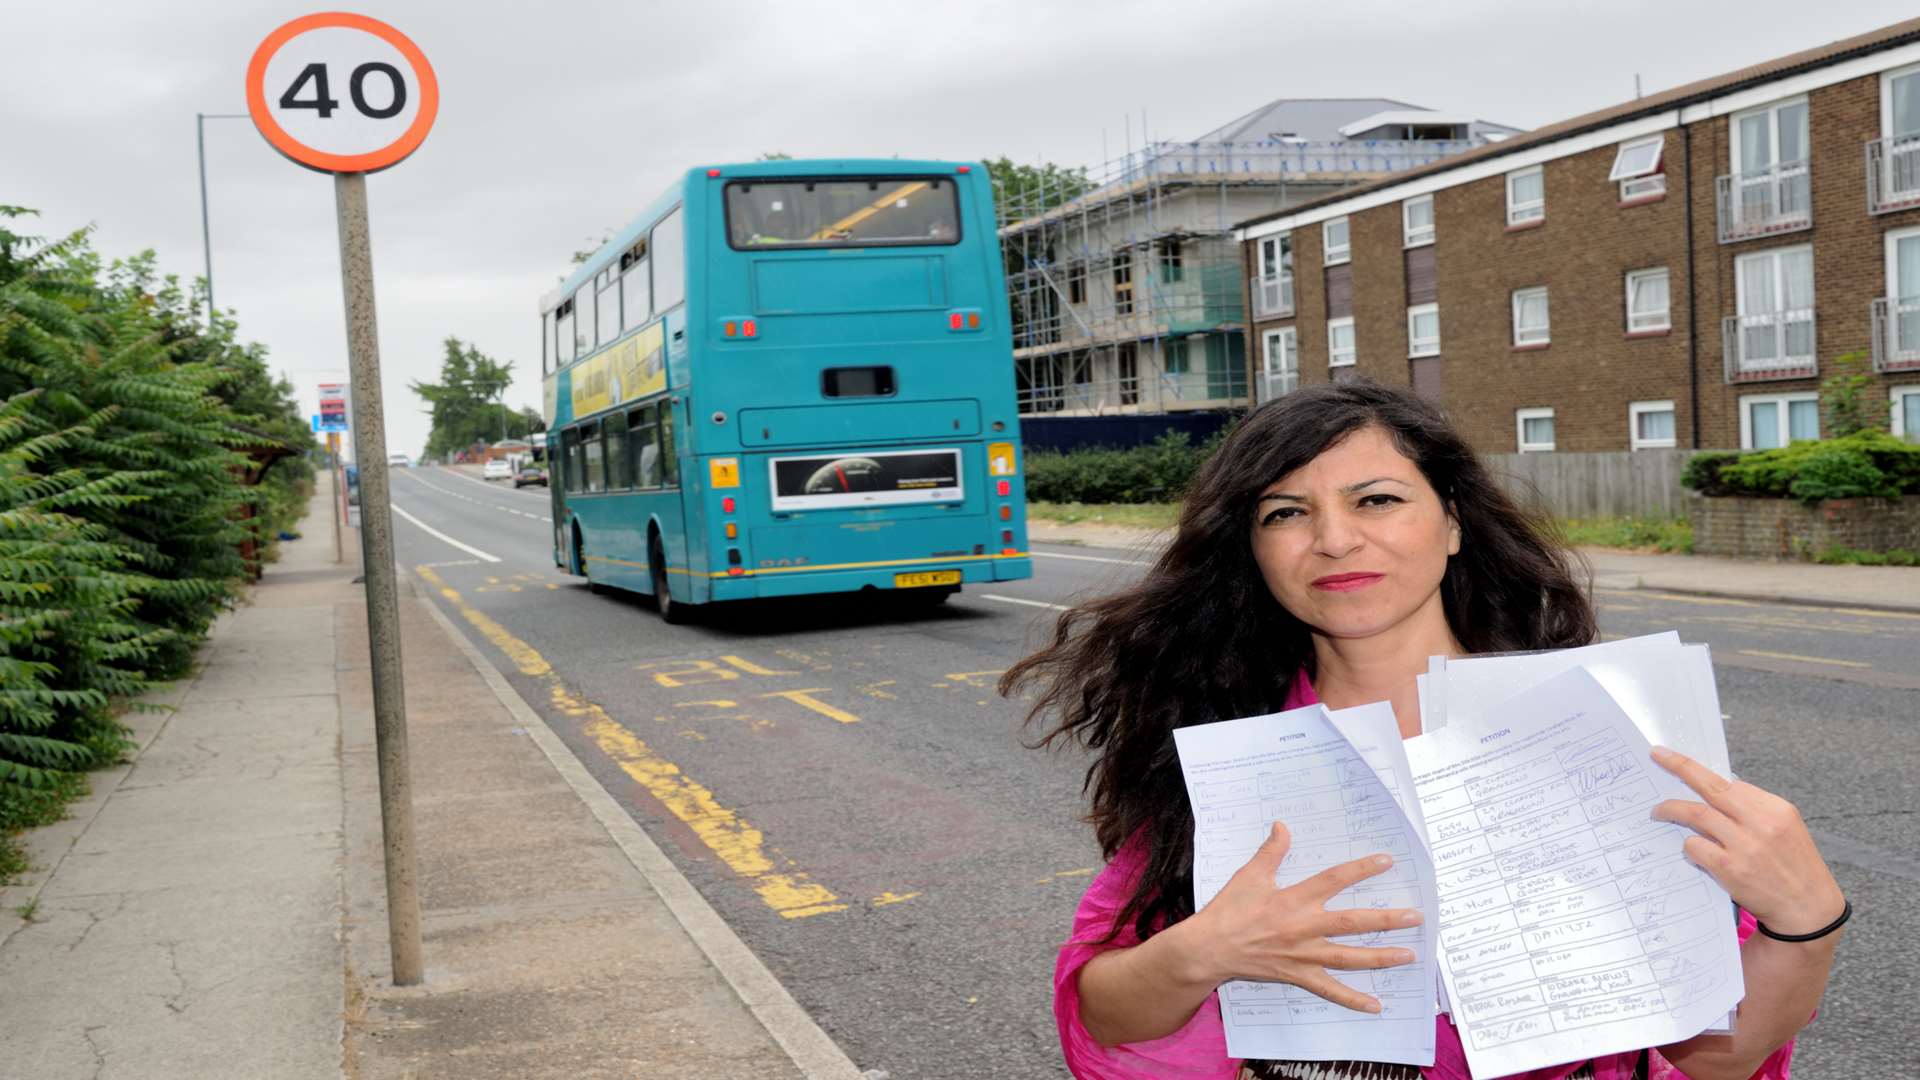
[216, 907]
[1878, 588]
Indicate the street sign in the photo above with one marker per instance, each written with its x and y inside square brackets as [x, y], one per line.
[342, 93]
[349, 95]
[333, 408]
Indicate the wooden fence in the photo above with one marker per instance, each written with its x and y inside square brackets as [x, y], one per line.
[1639, 483]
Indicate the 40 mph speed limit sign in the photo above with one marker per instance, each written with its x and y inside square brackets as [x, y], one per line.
[341, 93]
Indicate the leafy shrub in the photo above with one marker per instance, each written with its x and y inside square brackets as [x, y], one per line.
[1865, 464]
[1157, 472]
[120, 489]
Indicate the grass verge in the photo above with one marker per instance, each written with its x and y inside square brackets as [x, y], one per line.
[1129, 515]
[1855, 557]
[1631, 534]
[25, 808]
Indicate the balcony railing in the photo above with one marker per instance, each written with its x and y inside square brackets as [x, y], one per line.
[1272, 297]
[1770, 345]
[1765, 203]
[1893, 174]
[1896, 334]
[1277, 384]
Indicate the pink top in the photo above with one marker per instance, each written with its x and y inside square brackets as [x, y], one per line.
[1198, 1051]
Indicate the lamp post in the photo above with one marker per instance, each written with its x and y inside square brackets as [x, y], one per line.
[206, 235]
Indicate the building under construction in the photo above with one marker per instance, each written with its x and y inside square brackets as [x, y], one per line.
[1127, 290]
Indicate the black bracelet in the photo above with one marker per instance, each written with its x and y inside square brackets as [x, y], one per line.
[1845, 914]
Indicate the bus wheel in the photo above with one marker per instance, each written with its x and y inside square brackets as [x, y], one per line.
[580, 561]
[672, 612]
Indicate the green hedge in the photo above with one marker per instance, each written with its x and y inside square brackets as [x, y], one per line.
[1865, 464]
[121, 426]
[1156, 472]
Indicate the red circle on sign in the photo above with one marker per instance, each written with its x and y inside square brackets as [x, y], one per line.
[373, 161]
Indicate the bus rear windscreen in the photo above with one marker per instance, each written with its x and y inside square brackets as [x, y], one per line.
[842, 213]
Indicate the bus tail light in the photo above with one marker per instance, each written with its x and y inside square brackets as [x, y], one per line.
[733, 531]
[733, 562]
[963, 320]
[1006, 513]
[726, 505]
[739, 327]
[750, 329]
[1004, 487]
[954, 320]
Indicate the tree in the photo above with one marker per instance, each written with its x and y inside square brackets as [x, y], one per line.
[1022, 191]
[465, 404]
[1847, 394]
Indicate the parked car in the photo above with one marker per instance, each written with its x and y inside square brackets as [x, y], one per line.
[399, 461]
[497, 469]
[532, 474]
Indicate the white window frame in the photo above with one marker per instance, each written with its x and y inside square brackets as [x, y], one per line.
[1329, 255]
[1353, 349]
[1278, 269]
[1526, 212]
[1886, 98]
[1284, 344]
[1646, 181]
[1520, 418]
[1772, 110]
[1891, 243]
[1784, 403]
[1665, 315]
[1418, 347]
[1513, 314]
[1409, 236]
[1896, 397]
[1634, 411]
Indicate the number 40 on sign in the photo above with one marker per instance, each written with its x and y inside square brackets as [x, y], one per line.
[341, 93]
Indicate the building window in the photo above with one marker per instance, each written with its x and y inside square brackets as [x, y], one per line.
[1650, 425]
[1274, 291]
[1126, 371]
[1423, 330]
[1076, 282]
[1773, 293]
[1526, 196]
[1768, 421]
[1333, 238]
[1636, 166]
[1123, 281]
[1647, 303]
[1533, 429]
[1906, 412]
[1530, 317]
[1416, 221]
[1340, 350]
[1280, 364]
[1769, 190]
[1172, 269]
[1894, 163]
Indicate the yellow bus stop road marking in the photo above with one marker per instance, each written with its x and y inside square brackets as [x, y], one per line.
[1804, 659]
[737, 843]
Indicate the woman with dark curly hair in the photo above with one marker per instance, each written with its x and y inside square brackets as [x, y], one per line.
[1340, 536]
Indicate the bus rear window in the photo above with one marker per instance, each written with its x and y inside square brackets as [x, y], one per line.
[842, 213]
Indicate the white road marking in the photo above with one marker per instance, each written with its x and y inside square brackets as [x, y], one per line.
[1029, 603]
[438, 535]
[1089, 558]
[451, 562]
[479, 502]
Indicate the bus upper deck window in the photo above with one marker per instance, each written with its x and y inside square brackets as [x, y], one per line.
[857, 382]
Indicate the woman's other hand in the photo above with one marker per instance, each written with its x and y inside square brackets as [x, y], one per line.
[1755, 845]
[1253, 929]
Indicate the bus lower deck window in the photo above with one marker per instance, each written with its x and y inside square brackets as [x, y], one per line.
[857, 382]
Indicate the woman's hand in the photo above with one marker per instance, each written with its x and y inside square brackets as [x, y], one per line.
[1755, 845]
[1253, 929]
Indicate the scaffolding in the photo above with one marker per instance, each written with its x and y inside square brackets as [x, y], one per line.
[1126, 287]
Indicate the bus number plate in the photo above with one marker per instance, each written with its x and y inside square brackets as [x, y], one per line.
[926, 577]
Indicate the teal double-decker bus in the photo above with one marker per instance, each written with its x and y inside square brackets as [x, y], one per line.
[786, 378]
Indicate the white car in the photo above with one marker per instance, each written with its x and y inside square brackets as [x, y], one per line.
[399, 461]
[497, 469]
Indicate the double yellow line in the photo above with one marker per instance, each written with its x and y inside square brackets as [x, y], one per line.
[730, 837]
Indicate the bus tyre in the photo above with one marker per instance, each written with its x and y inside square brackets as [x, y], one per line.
[580, 561]
[672, 612]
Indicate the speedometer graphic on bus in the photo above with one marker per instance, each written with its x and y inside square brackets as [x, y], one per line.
[846, 474]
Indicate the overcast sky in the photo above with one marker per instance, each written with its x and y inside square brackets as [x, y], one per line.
[561, 120]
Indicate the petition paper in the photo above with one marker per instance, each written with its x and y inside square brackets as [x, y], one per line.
[1570, 922]
[1297, 768]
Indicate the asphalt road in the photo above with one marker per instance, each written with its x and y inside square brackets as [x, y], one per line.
[841, 783]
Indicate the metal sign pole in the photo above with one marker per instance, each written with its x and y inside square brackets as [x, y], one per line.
[376, 548]
[339, 501]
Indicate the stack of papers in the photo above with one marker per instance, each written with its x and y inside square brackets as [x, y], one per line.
[1562, 922]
